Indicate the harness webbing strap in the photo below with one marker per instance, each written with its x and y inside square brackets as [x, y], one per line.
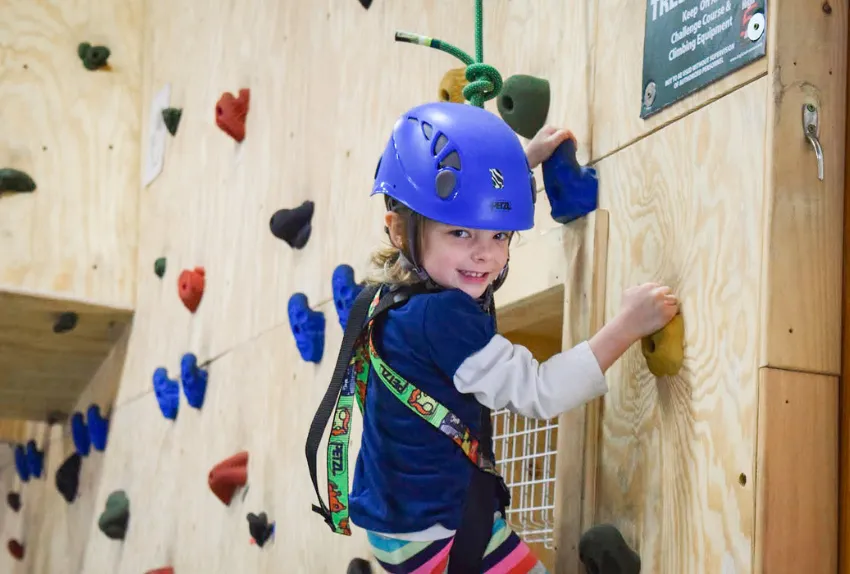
[356, 318]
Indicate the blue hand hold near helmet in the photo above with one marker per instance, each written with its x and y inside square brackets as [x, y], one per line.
[457, 164]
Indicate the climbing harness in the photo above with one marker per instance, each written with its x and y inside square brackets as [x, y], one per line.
[357, 358]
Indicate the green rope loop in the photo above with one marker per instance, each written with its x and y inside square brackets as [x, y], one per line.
[485, 82]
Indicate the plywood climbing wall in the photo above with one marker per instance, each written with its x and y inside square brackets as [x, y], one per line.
[678, 458]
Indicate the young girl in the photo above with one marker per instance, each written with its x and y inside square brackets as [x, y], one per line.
[457, 186]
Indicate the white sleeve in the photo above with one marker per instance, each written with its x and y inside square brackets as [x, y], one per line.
[504, 375]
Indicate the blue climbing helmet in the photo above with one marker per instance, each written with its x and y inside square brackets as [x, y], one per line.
[458, 164]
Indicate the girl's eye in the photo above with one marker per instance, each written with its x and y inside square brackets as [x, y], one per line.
[503, 236]
[459, 232]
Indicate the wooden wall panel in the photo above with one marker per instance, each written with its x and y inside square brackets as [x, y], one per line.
[323, 103]
[672, 448]
[76, 133]
[618, 69]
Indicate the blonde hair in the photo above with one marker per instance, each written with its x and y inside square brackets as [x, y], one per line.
[389, 264]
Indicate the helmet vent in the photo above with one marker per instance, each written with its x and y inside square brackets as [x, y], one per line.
[442, 141]
[428, 130]
[446, 181]
[451, 160]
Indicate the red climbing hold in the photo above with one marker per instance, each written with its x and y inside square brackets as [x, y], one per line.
[228, 475]
[167, 570]
[231, 113]
[16, 549]
[190, 285]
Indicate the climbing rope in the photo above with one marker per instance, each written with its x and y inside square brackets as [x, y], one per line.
[485, 82]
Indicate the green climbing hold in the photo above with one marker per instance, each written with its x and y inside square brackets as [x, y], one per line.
[113, 520]
[171, 117]
[159, 267]
[93, 57]
[524, 104]
[15, 180]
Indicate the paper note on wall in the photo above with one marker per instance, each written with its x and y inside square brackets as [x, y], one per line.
[156, 136]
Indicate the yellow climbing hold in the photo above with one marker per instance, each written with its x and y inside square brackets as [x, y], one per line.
[664, 350]
[451, 86]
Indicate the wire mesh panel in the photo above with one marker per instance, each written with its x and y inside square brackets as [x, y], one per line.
[525, 456]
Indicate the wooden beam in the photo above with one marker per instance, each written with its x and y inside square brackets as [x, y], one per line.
[796, 473]
[586, 249]
[801, 289]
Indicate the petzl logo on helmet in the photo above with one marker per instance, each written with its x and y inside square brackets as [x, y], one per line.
[497, 178]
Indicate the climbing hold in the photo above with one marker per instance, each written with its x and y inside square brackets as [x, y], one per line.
[452, 85]
[15, 180]
[664, 350]
[171, 117]
[13, 499]
[366, 3]
[260, 528]
[308, 327]
[80, 434]
[524, 104]
[65, 322]
[68, 477]
[194, 380]
[159, 267]
[16, 549]
[190, 287]
[35, 459]
[359, 566]
[603, 550]
[573, 191]
[113, 520]
[167, 393]
[98, 427]
[166, 570]
[293, 225]
[21, 463]
[345, 291]
[231, 113]
[228, 475]
[93, 57]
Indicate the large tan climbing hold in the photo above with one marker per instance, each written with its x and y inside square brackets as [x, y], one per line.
[664, 350]
[452, 85]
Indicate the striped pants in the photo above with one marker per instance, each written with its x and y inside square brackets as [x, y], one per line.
[506, 554]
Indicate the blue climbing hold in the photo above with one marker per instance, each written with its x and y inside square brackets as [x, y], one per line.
[308, 327]
[80, 434]
[35, 459]
[573, 190]
[167, 393]
[194, 380]
[98, 427]
[21, 463]
[345, 291]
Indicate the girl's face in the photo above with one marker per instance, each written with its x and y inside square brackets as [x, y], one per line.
[465, 259]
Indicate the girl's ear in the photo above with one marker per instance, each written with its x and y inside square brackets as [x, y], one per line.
[395, 229]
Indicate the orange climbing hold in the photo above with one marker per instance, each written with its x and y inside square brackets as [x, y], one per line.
[231, 113]
[190, 286]
[228, 475]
